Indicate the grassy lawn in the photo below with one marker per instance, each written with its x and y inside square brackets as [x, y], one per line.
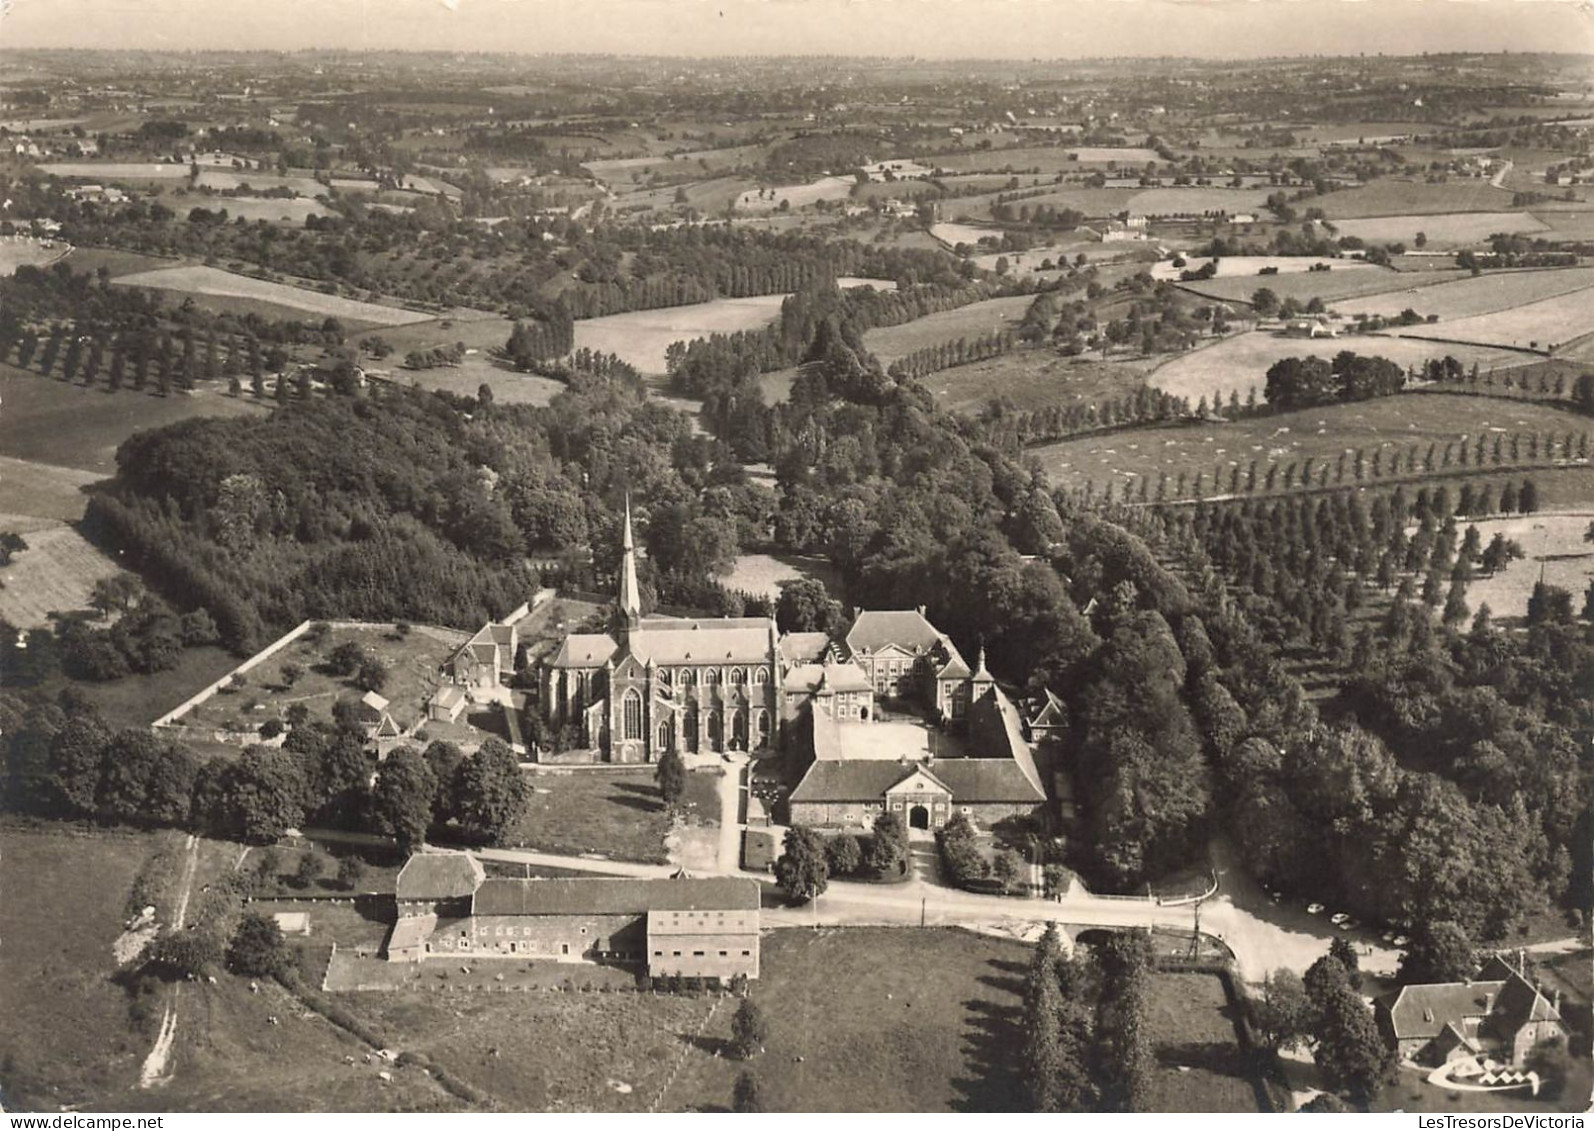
[1200, 1065]
[1412, 1093]
[876, 1019]
[56, 573]
[1344, 290]
[138, 700]
[619, 815]
[641, 337]
[67, 1036]
[889, 343]
[1463, 296]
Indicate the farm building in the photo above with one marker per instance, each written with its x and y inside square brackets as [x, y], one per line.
[759, 850]
[446, 704]
[1310, 328]
[703, 928]
[486, 658]
[1501, 1017]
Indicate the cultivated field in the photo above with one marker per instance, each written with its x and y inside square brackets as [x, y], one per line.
[954, 234]
[1105, 154]
[1037, 379]
[54, 574]
[1303, 286]
[1393, 197]
[1198, 200]
[1538, 325]
[1553, 543]
[1242, 361]
[798, 196]
[1456, 229]
[51, 421]
[214, 281]
[1387, 424]
[889, 343]
[876, 1019]
[641, 337]
[1200, 1065]
[115, 170]
[1464, 296]
[23, 251]
[1250, 266]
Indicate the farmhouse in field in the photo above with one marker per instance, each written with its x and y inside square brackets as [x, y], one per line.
[693, 928]
[1502, 1016]
[660, 683]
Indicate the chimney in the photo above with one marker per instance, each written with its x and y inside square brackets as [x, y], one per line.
[1488, 1003]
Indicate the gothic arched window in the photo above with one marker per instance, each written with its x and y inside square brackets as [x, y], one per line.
[633, 715]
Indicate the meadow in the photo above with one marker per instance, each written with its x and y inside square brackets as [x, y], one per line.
[953, 234]
[1541, 325]
[1197, 199]
[642, 336]
[1391, 196]
[1554, 546]
[115, 170]
[56, 573]
[1107, 154]
[1330, 286]
[1569, 225]
[889, 343]
[1239, 363]
[763, 573]
[1200, 1064]
[1250, 266]
[20, 251]
[1462, 296]
[255, 179]
[1388, 424]
[294, 211]
[798, 196]
[225, 284]
[615, 814]
[1036, 379]
[1035, 158]
[1455, 229]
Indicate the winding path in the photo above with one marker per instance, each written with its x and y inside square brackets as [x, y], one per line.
[154, 1071]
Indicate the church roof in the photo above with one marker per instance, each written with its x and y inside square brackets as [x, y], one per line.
[584, 650]
[906, 628]
[630, 592]
[739, 640]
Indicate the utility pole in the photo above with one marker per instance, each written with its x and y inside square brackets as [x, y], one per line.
[1195, 934]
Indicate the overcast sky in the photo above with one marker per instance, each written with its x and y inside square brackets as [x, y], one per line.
[927, 28]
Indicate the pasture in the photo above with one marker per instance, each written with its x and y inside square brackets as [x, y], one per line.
[51, 421]
[295, 211]
[868, 1019]
[225, 284]
[618, 815]
[68, 1037]
[1553, 543]
[889, 343]
[640, 337]
[1455, 229]
[1250, 266]
[1109, 155]
[486, 336]
[256, 179]
[56, 573]
[24, 251]
[970, 234]
[115, 170]
[1391, 196]
[1090, 201]
[1303, 286]
[1387, 424]
[1568, 225]
[1036, 379]
[1541, 325]
[1026, 159]
[1200, 1066]
[797, 196]
[763, 573]
[1238, 363]
[39, 495]
[1198, 200]
[1462, 296]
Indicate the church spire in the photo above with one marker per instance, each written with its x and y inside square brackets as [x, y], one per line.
[630, 593]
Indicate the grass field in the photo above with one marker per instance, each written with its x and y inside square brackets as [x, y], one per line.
[889, 343]
[641, 337]
[1554, 546]
[1455, 229]
[486, 335]
[1035, 379]
[224, 284]
[797, 196]
[1197, 199]
[1090, 201]
[1241, 362]
[618, 814]
[51, 421]
[55, 573]
[1464, 296]
[228, 179]
[1106, 154]
[1200, 1065]
[1331, 286]
[1569, 225]
[67, 1037]
[1025, 158]
[1536, 325]
[115, 170]
[1250, 266]
[1394, 197]
[876, 1019]
[39, 495]
[762, 573]
[1389, 423]
[20, 251]
[114, 261]
[252, 208]
[971, 234]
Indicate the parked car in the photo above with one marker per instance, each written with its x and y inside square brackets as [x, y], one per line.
[1338, 918]
[1314, 908]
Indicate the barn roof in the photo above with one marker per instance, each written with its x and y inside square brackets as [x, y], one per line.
[438, 875]
[906, 628]
[613, 896]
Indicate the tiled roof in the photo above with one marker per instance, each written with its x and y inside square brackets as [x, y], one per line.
[702, 642]
[374, 701]
[835, 677]
[410, 931]
[988, 780]
[584, 650]
[996, 730]
[438, 875]
[613, 897]
[1424, 1011]
[849, 781]
[711, 922]
[874, 629]
[1519, 1002]
[447, 695]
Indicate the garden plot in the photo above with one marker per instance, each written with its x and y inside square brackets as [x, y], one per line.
[214, 281]
[1450, 230]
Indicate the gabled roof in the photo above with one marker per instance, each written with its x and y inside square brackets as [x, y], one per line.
[438, 875]
[997, 732]
[865, 780]
[613, 897]
[1518, 1003]
[907, 628]
[988, 781]
[410, 931]
[743, 640]
[584, 650]
[374, 701]
[1425, 1010]
[826, 677]
[1052, 712]
[915, 781]
[447, 695]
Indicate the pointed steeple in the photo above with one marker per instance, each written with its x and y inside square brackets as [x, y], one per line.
[981, 674]
[630, 600]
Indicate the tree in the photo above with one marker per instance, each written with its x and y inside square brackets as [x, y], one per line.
[888, 848]
[1008, 867]
[746, 1097]
[401, 802]
[1327, 1102]
[1125, 1046]
[312, 865]
[1351, 1053]
[805, 605]
[345, 659]
[1439, 952]
[801, 868]
[263, 794]
[257, 948]
[671, 777]
[491, 792]
[351, 870]
[843, 856]
[749, 1030]
[186, 954]
[1283, 1012]
[372, 675]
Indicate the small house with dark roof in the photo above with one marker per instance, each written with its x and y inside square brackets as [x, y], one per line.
[437, 883]
[486, 659]
[1434, 1023]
